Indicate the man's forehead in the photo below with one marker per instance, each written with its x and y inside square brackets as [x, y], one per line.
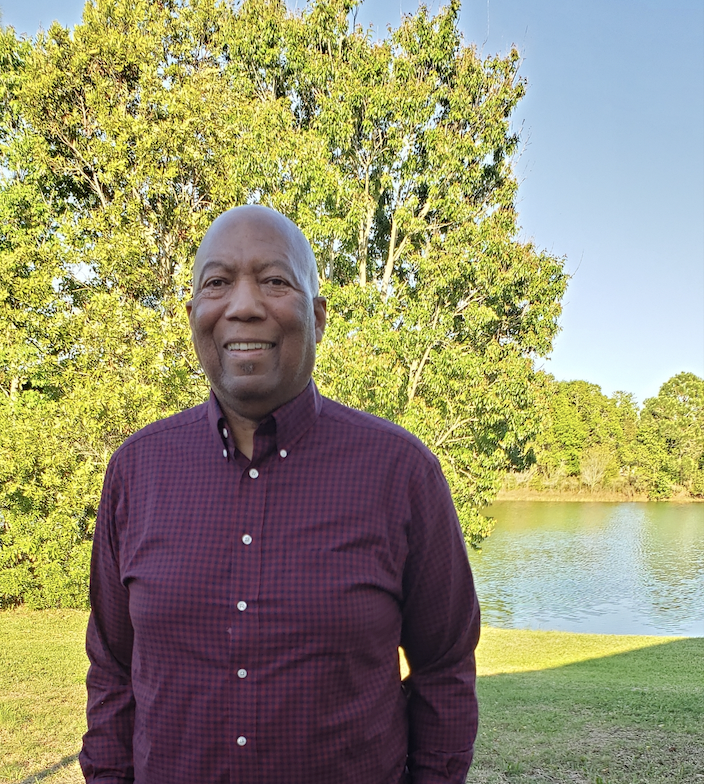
[255, 265]
[233, 227]
[243, 229]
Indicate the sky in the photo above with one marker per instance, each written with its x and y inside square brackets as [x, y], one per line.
[611, 167]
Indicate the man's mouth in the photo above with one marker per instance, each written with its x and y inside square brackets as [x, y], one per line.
[247, 346]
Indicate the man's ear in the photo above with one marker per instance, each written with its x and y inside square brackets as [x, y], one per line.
[320, 310]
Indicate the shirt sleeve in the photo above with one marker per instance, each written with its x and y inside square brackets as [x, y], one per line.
[107, 745]
[439, 634]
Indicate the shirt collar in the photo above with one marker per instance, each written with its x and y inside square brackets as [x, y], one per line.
[293, 419]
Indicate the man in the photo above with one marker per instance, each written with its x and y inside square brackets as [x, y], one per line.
[258, 559]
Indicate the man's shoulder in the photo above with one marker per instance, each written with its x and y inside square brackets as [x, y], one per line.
[374, 429]
[168, 429]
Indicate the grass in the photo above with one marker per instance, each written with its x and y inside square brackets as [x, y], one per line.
[42, 695]
[583, 494]
[589, 709]
[563, 708]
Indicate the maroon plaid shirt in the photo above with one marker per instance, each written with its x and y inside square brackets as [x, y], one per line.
[246, 615]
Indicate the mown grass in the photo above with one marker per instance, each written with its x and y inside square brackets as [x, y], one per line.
[42, 695]
[564, 708]
[589, 709]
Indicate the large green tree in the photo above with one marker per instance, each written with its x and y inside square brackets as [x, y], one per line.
[671, 438]
[122, 139]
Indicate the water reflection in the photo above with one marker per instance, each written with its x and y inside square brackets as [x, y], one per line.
[592, 567]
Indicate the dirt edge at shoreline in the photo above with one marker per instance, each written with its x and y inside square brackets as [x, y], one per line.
[602, 496]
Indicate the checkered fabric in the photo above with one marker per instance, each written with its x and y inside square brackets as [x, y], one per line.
[246, 614]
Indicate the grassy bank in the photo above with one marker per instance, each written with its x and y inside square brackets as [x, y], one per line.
[592, 709]
[42, 695]
[583, 494]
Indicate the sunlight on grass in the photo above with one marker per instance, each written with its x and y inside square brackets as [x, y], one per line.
[521, 650]
[42, 693]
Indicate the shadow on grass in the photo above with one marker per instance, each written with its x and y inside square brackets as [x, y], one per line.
[65, 762]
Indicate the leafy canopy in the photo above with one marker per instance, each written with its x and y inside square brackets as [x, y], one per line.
[122, 139]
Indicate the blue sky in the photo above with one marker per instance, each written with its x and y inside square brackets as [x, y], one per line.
[611, 167]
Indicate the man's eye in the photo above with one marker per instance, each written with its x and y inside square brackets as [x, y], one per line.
[214, 283]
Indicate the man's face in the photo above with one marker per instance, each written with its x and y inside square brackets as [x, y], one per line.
[253, 318]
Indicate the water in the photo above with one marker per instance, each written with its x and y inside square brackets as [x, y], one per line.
[631, 568]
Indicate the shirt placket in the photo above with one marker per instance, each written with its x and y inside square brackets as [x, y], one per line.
[245, 615]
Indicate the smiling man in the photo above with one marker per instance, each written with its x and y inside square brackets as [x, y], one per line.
[258, 560]
[255, 315]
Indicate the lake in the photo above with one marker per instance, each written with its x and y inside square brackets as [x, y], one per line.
[603, 568]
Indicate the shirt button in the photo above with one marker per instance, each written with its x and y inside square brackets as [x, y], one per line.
[224, 452]
[224, 432]
[283, 453]
[241, 740]
[247, 539]
[241, 673]
[241, 606]
[253, 473]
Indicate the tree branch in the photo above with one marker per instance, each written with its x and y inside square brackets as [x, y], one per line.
[417, 367]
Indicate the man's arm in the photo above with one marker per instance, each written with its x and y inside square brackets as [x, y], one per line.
[107, 746]
[440, 632]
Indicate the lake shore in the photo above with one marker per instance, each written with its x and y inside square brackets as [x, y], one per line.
[586, 496]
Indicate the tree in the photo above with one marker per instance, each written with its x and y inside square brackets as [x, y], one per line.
[121, 140]
[594, 465]
[671, 437]
[585, 433]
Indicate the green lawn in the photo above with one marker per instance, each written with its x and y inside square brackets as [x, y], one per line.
[564, 708]
[589, 709]
[42, 695]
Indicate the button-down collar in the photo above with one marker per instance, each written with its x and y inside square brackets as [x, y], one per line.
[288, 424]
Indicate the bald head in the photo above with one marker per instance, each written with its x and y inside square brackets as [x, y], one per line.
[250, 216]
[256, 315]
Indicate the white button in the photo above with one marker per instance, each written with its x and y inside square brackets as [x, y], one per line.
[224, 432]
[224, 452]
[241, 606]
[247, 539]
[241, 673]
[283, 453]
[253, 473]
[241, 740]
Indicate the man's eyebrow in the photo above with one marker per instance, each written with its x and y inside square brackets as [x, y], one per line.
[263, 266]
[206, 266]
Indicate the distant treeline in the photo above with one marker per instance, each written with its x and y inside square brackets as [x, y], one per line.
[590, 441]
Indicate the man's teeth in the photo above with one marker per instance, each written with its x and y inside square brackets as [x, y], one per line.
[247, 346]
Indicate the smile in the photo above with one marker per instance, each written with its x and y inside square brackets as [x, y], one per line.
[247, 346]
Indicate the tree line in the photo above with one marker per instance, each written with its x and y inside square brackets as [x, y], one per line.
[120, 140]
[589, 441]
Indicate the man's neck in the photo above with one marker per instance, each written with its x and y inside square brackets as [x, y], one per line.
[243, 434]
[242, 430]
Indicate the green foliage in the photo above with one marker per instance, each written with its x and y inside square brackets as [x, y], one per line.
[122, 139]
[671, 437]
[607, 443]
[585, 434]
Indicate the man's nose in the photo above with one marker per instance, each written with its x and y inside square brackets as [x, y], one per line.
[245, 301]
